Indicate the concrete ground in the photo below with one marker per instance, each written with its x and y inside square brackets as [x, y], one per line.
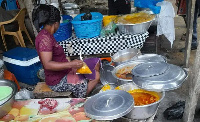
[176, 57]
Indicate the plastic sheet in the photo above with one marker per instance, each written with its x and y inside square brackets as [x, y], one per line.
[24, 94]
[151, 4]
[175, 111]
[110, 28]
[84, 69]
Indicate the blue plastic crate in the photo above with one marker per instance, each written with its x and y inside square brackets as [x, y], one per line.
[65, 29]
[88, 28]
[24, 63]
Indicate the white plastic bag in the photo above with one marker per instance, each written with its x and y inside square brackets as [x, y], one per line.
[24, 94]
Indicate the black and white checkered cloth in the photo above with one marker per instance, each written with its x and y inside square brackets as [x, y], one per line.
[100, 45]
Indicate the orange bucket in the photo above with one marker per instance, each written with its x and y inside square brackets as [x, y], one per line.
[108, 19]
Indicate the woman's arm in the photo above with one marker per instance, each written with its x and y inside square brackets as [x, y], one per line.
[48, 64]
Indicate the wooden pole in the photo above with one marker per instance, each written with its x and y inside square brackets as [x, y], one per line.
[194, 74]
[190, 18]
[194, 89]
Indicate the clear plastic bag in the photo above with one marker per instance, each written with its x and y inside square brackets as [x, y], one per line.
[84, 69]
[24, 94]
[110, 28]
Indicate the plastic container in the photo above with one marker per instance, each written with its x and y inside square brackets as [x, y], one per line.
[88, 28]
[65, 29]
[11, 5]
[108, 19]
[24, 63]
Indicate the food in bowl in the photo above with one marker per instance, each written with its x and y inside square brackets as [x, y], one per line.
[143, 97]
[5, 92]
[135, 18]
[106, 87]
[124, 72]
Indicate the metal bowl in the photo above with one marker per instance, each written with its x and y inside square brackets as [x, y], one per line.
[145, 111]
[6, 106]
[134, 28]
[125, 55]
[116, 69]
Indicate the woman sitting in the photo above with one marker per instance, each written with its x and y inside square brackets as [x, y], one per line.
[60, 74]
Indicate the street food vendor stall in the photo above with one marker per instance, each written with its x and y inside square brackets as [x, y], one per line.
[118, 100]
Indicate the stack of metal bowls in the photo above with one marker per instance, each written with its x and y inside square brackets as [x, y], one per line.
[151, 72]
[134, 61]
[7, 102]
[71, 8]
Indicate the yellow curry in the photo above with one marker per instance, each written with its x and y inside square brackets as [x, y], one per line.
[135, 18]
[143, 97]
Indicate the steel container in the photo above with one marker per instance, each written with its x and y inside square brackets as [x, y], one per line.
[6, 105]
[145, 111]
[115, 70]
[158, 76]
[71, 8]
[134, 28]
[125, 55]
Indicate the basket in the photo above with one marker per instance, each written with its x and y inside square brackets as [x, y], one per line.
[88, 28]
[65, 29]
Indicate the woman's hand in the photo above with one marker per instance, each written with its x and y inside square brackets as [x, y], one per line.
[76, 64]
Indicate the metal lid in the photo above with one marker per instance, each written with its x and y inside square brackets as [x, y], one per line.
[169, 80]
[106, 75]
[150, 69]
[109, 105]
[151, 58]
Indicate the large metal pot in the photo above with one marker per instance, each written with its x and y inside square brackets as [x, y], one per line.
[145, 111]
[6, 105]
[124, 65]
[125, 55]
[134, 28]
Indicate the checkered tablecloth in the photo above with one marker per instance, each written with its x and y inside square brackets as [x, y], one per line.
[102, 45]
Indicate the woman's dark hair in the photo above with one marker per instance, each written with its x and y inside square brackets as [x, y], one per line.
[45, 15]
